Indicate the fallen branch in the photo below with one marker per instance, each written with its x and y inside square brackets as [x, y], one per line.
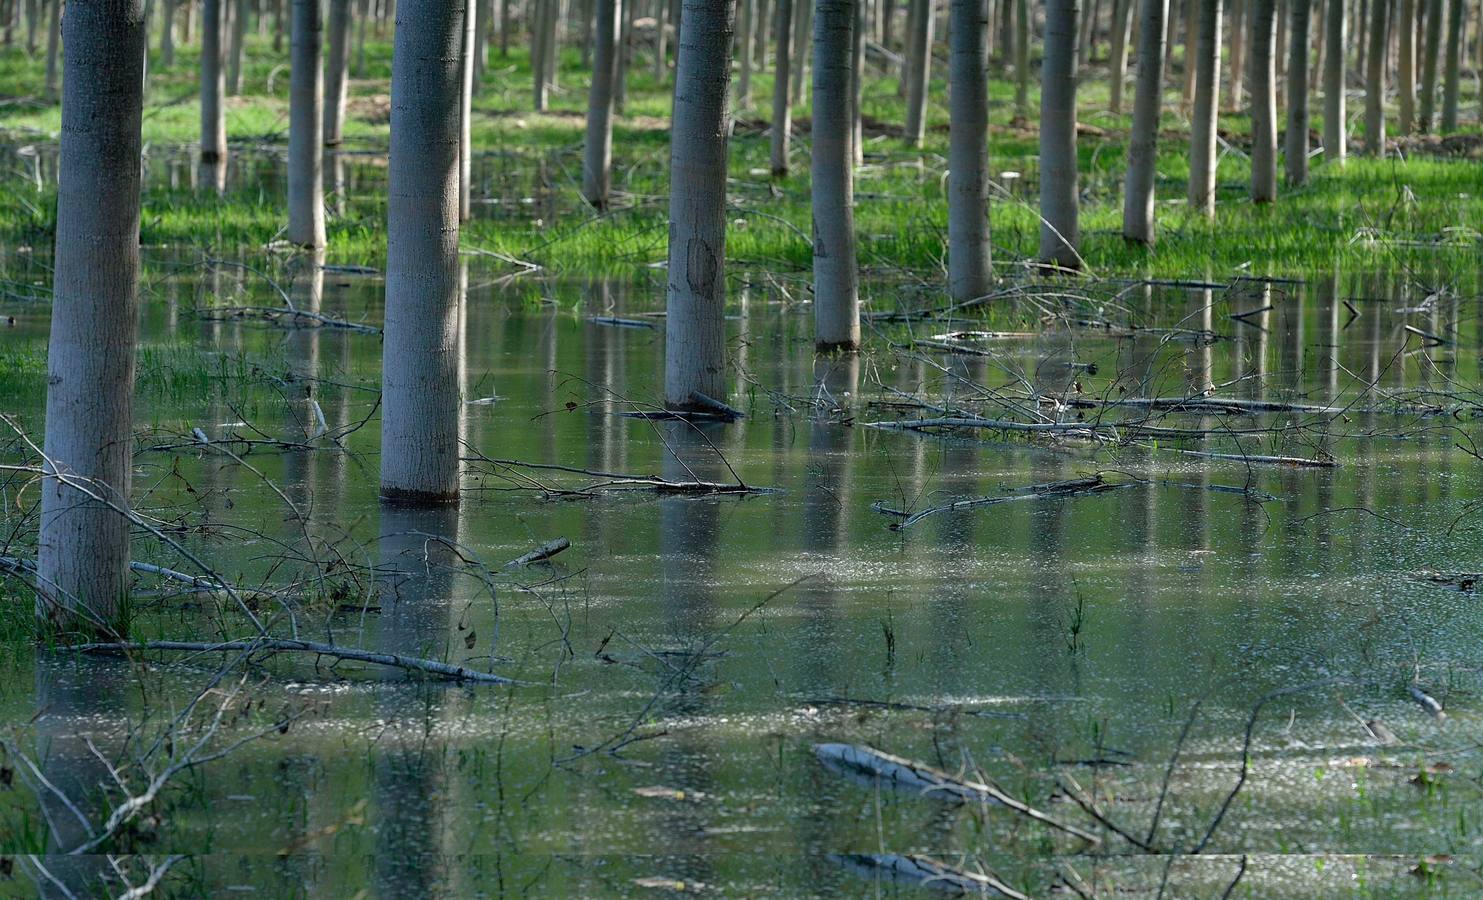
[543, 552]
[927, 872]
[279, 645]
[1070, 488]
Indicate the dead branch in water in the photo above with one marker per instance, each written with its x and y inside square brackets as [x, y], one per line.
[904, 773]
[1093, 484]
[280, 645]
[539, 554]
[613, 480]
[927, 872]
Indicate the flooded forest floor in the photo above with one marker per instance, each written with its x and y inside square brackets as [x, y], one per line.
[1157, 581]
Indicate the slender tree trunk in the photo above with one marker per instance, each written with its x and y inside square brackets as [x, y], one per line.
[1263, 101]
[857, 87]
[803, 11]
[83, 553]
[538, 12]
[761, 34]
[1405, 32]
[1297, 95]
[1060, 232]
[1121, 16]
[420, 396]
[238, 47]
[1007, 25]
[167, 34]
[695, 331]
[1429, 56]
[1335, 128]
[1022, 59]
[1143, 146]
[597, 162]
[888, 23]
[744, 44]
[836, 280]
[1375, 82]
[33, 16]
[213, 86]
[625, 57]
[305, 127]
[782, 111]
[919, 77]
[1191, 38]
[53, 44]
[484, 13]
[1203, 132]
[1238, 52]
[661, 52]
[362, 13]
[1361, 45]
[466, 111]
[1452, 81]
[1084, 41]
[968, 272]
[336, 72]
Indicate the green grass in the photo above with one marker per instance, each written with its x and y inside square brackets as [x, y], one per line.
[1420, 211]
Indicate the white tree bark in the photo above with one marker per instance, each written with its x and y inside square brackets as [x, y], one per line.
[1375, 81]
[857, 87]
[305, 124]
[337, 72]
[1431, 52]
[1238, 29]
[1451, 81]
[213, 85]
[1143, 145]
[1202, 146]
[968, 272]
[782, 110]
[695, 332]
[1121, 19]
[237, 47]
[1335, 128]
[597, 160]
[466, 112]
[919, 75]
[1060, 230]
[1297, 95]
[83, 557]
[1263, 101]
[836, 279]
[420, 401]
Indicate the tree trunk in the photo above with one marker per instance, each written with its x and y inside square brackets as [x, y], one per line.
[661, 53]
[1084, 41]
[968, 271]
[597, 162]
[305, 127]
[466, 110]
[1451, 81]
[1263, 101]
[420, 395]
[537, 10]
[803, 11]
[1405, 33]
[1335, 128]
[857, 87]
[213, 85]
[1202, 151]
[1297, 95]
[1022, 59]
[1191, 38]
[695, 332]
[744, 45]
[919, 76]
[238, 46]
[363, 14]
[167, 34]
[83, 552]
[836, 280]
[53, 44]
[1143, 145]
[336, 72]
[1429, 56]
[625, 57]
[1238, 52]
[1060, 234]
[1375, 82]
[782, 111]
[1121, 19]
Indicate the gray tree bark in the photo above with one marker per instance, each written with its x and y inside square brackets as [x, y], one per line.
[167, 34]
[1375, 82]
[968, 258]
[213, 85]
[1451, 81]
[857, 87]
[83, 554]
[782, 110]
[1297, 95]
[836, 278]
[336, 72]
[597, 160]
[1143, 146]
[1431, 52]
[1060, 230]
[53, 44]
[1121, 20]
[305, 124]
[919, 75]
[237, 47]
[1335, 128]
[1022, 58]
[1405, 33]
[1263, 101]
[466, 112]
[1238, 29]
[695, 331]
[419, 395]
[1203, 134]
[744, 43]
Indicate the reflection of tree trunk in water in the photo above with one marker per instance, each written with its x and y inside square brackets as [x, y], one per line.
[1198, 355]
[826, 500]
[1290, 342]
[301, 348]
[409, 777]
